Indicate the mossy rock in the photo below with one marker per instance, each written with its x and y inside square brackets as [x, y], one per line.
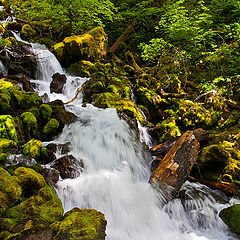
[28, 33]
[231, 217]
[82, 68]
[45, 112]
[149, 98]
[91, 45]
[194, 115]
[5, 84]
[31, 99]
[32, 148]
[7, 146]
[5, 102]
[51, 127]
[35, 112]
[82, 224]
[44, 206]
[10, 190]
[233, 170]
[111, 100]
[29, 180]
[7, 128]
[17, 95]
[30, 122]
[168, 130]
[232, 119]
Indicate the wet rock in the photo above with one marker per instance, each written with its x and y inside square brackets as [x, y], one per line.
[46, 156]
[15, 159]
[51, 176]
[231, 217]
[61, 148]
[23, 80]
[89, 46]
[173, 170]
[155, 163]
[82, 224]
[57, 84]
[10, 190]
[45, 98]
[29, 180]
[68, 166]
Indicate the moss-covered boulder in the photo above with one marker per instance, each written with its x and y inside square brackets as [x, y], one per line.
[231, 217]
[30, 122]
[29, 180]
[44, 206]
[149, 98]
[28, 33]
[232, 119]
[82, 224]
[111, 100]
[45, 112]
[195, 115]
[32, 148]
[91, 45]
[5, 102]
[7, 128]
[51, 128]
[31, 99]
[82, 68]
[10, 191]
[5, 84]
[167, 130]
[7, 146]
[17, 96]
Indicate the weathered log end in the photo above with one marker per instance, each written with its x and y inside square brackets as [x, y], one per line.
[175, 167]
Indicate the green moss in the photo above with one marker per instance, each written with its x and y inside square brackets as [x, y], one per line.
[195, 115]
[149, 99]
[82, 68]
[17, 95]
[45, 112]
[51, 127]
[30, 122]
[28, 32]
[168, 129]
[10, 191]
[231, 217]
[111, 100]
[58, 50]
[32, 148]
[5, 102]
[7, 128]
[44, 206]
[35, 112]
[29, 180]
[6, 145]
[232, 119]
[5, 84]
[31, 99]
[82, 224]
[233, 170]
[113, 89]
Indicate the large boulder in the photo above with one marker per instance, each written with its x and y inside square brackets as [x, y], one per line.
[89, 46]
[82, 224]
[58, 81]
[231, 217]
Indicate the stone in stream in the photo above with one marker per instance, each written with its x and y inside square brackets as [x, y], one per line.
[173, 170]
[58, 81]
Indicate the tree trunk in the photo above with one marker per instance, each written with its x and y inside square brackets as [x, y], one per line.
[175, 167]
[128, 31]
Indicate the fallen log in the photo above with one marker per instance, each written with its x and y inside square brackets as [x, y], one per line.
[173, 170]
[226, 187]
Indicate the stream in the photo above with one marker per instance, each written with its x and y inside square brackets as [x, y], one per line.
[116, 173]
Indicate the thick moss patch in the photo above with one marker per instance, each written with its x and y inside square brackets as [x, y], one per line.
[231, 217]
[10, 191]
[32, 148]
[7, 128]
[82, 224]
[30, 122]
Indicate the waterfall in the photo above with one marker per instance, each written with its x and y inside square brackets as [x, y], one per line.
[116, 173]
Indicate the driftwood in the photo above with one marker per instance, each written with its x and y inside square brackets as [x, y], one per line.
[228, 188]
[128, 31]
[173, 170]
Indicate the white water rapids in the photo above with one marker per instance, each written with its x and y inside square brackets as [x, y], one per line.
[115, 179]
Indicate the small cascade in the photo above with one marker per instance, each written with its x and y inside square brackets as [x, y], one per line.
[144, 136]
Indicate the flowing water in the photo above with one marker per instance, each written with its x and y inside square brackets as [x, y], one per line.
[116, 173]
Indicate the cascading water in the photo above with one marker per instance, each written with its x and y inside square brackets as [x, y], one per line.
[116, 173]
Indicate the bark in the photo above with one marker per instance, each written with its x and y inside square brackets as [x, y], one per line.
[173, 170]
[228, 188]
[128, 31]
